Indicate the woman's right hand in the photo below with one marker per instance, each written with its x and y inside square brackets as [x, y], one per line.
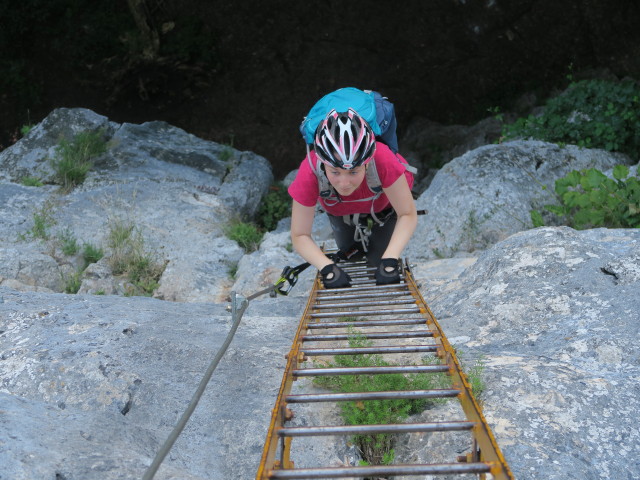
[334, 277]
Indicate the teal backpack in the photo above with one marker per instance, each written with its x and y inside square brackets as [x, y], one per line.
[379, 113]
[377, 110]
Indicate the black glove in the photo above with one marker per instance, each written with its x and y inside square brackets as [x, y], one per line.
[345, 255]
[334, 277]
[388, 271]
[338, 257]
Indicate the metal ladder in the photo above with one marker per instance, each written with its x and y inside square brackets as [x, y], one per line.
[397, 316]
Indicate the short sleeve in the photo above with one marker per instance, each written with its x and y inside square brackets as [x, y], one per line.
[391, 166]
[304, 188]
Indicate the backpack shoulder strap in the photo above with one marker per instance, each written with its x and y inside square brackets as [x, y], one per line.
[323, 182]
[410, 168]
[373, 178]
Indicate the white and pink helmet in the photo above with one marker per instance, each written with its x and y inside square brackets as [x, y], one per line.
[344, 140]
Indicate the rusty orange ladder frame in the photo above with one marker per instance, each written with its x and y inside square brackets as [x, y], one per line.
[485, 457]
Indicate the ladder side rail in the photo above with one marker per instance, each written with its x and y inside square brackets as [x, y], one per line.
[279, 413]
[489, 449]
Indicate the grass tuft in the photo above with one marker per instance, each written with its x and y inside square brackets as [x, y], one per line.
[129, 257]
[73, 158]
[377, 449]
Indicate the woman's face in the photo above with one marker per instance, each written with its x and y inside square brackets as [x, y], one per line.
[345, 181]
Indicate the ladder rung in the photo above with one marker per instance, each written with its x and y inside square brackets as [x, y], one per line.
[375, 429]
[392, 395]
[357, 267]
[315, 372]
[369, 336]
[366, 323]
[359, 273]
[383, 471]
[369, 350]
[330, 291]
[379, 303]
[364, 295]
[394, 311]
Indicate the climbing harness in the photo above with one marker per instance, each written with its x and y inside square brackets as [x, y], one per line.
[395, 321]
[364, 222]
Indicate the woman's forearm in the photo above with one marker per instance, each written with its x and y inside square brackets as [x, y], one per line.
[301, 227]
[405, 226]
[399, 195]
[309, 250]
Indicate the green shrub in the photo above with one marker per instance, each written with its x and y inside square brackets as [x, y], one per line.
[73, 282]
[42, 221]
[590, 113]
[376, 449]
[25, 129]
[248, 235]
[275, 206]
[590, 199]
[30, 181]
[68, 243]
[474, 376]
[73, 159]
[91, 254]
[129, 257]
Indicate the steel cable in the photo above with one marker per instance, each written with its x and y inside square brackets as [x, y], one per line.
[236, 314]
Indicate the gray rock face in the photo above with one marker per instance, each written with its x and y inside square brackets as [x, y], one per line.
[428, 145]
[488, 193]
[91, 385]
[557, 332]
[177, 190]
[30, 156]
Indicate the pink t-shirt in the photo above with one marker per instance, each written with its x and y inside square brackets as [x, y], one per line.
[305, 190]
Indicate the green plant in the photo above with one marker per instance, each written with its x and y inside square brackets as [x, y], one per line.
[233, 270]
[129, 257]
[474, 376]
[389, 457]
[72, 282]
[91, 254]
[120, 233]
[227, 152]
[496, 113]
[248, 235]
[536, 219]
[474, 372]
[42, 221]
[30, 181]
[376, 449]
[73, 158]
[68, 243]
[275, 205]
[590, 113]
[25, 129]
[590, 199]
